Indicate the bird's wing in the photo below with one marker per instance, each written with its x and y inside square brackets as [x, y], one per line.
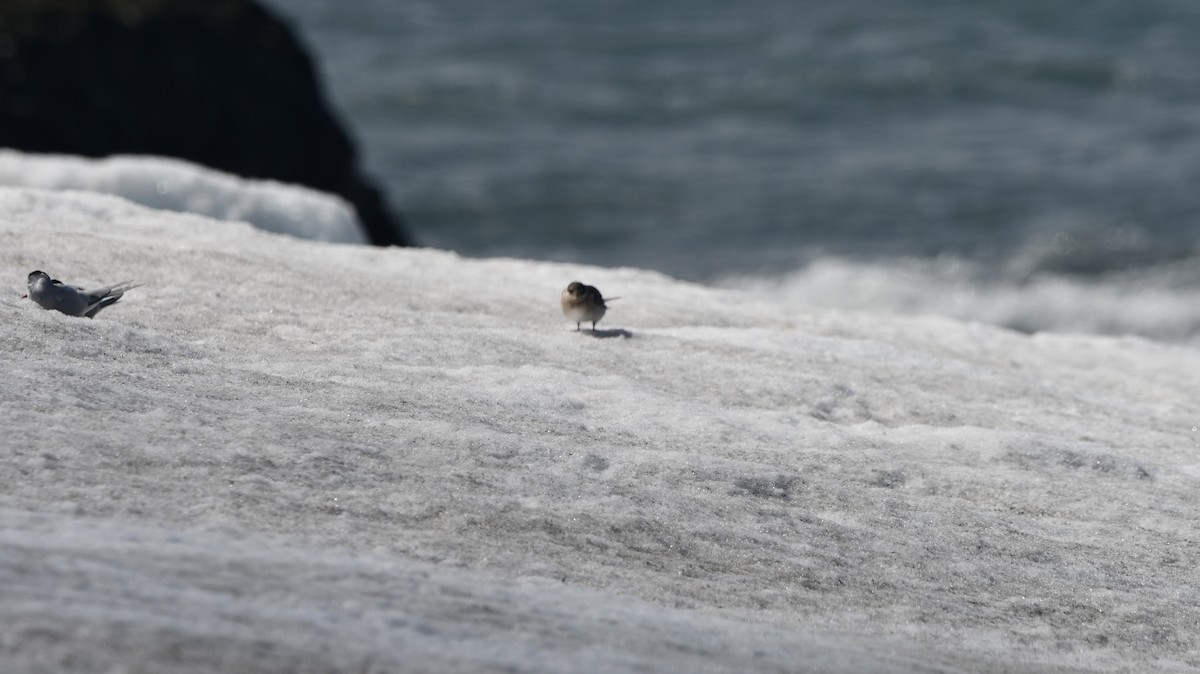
[95, 307]
[117, 289]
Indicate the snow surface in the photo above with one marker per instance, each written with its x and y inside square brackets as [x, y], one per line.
[177, 185]
[287, 455]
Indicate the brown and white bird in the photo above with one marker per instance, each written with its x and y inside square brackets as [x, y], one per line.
[49, 293]
[583, 303]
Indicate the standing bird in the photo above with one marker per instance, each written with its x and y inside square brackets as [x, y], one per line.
[52, 294]
[583, 303]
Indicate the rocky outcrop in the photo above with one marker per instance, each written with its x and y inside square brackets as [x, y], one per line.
[222, 83]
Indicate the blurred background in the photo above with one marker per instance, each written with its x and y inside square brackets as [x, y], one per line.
[710, 139]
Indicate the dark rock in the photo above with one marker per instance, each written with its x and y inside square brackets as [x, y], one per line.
[222, 83]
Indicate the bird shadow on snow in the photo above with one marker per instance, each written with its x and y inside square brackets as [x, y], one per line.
[607, 334]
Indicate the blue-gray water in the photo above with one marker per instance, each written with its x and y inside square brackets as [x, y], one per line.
[716, 139]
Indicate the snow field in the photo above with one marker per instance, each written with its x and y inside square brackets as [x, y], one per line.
[279, 445]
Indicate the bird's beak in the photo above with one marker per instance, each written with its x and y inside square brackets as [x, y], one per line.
[23, 297]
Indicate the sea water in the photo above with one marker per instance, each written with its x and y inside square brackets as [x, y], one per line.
[932, 154]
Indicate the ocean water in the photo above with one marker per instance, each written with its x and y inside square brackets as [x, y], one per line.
[989, 145]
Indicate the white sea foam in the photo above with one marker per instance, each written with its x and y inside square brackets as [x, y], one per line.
[1158, 302]
[176, 185]
[285, 455]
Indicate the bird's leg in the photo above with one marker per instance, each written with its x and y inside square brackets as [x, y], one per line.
[577, 326]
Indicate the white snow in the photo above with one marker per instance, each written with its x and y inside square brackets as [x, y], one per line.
[177, 185]
[287, 455]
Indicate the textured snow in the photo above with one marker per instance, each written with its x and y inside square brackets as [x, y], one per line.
[177, 185]
[287, 455]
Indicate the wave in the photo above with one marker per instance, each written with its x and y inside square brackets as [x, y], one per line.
[1157, 302]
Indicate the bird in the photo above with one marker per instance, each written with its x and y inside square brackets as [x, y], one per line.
[49, 293]
[583, 303]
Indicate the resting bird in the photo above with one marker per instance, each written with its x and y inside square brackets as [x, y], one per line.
[583, 303]
[52, 294]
